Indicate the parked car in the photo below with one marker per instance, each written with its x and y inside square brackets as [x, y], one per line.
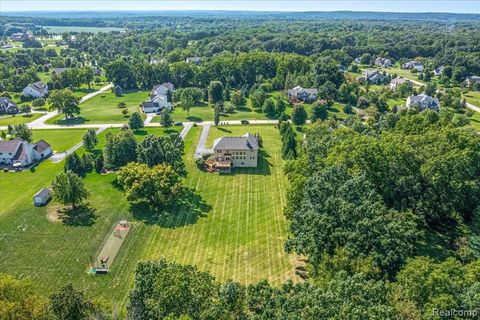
[244, 121]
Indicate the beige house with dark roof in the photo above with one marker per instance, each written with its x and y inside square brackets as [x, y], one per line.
[19, 152]
[235, 152]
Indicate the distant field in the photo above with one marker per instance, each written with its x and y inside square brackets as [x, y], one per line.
[62, 29]
[103, 108]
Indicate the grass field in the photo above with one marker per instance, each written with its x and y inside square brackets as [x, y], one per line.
[18, 119]
[241, 237]
[103, 108]
[60, 140]
[62, 29]
[473, 97]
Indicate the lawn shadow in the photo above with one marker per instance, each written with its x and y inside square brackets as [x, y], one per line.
[194, 119]
[83, 215]
[140, 132]
[71, 121]
[224, 130]
[188, 208]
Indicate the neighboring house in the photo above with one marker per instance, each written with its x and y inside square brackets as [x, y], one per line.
[438, 71]
[156, 60]
[195, 60]
[383, 62]
[235, 152]
[36, 90]
[7, 46]
[58, 71]
[422, 101]
[413, 65]
[357, 60]
[7, 106]
[303, 94]
[42, 197]
[372, 77]
[21, 36]
[19, 152]
[395, 83]
[158, 98]
[470, 81]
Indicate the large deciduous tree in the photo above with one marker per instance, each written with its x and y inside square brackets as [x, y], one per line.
[68, 189]
[120, 149]
[157, 186]
[65, 101]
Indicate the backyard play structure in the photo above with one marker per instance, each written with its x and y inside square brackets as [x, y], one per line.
[110, 247]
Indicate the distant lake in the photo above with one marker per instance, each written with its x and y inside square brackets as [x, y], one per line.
[61, 29]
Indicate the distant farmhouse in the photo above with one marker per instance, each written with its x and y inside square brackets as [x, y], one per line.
[18, 152]
[372, 77]
[195, 60]
[438, 71]
[471, 81]
[7, 106]
[303, 94]
[36, 90]
[422, 101]
[158, 98]
[383, 62]
[22, 36]
[234, 152]
[413, 65]
[59, 71]
[395, 83]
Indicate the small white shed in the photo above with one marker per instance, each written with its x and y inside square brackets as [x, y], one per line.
[41, 197]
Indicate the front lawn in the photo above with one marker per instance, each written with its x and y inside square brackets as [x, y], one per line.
[18, 119]
[60, 140]
[103, 108]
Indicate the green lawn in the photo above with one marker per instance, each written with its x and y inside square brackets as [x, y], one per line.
[18, 119]
[241, 237]
[475, 121]
[473, 97]
[61, 140]
[103, 108]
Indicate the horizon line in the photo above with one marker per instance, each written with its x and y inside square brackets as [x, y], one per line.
[227, 10]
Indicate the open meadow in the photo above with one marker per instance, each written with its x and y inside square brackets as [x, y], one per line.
[235, 229]
[103, 108]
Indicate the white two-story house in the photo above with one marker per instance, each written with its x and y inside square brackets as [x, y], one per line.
[18, 152]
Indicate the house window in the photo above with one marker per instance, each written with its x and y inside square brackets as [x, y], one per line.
[243, 163]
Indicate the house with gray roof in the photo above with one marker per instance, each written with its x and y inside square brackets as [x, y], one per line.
[195, 60]
[398, 81]
[413, 65]
[20, 153]
[236, 152]
[7, 106]
[158, 98]
[36, 90]
[383, 62]
[372, 77]
[423, 101]
[470, 81]
[303, 94]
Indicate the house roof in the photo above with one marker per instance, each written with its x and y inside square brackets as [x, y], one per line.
[474, 78]
[399, 80]
[245, 142]
[423, 98]
[41, 146]
[42, 193]
[10, 145]
[6, 102]
[39, 86]
[59, 71]
[20, 154]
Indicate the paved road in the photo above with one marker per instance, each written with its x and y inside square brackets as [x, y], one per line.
[149, 118]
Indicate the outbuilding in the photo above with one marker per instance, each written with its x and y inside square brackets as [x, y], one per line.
[41, 197]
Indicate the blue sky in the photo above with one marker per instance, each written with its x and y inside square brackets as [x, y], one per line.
[472, 6]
